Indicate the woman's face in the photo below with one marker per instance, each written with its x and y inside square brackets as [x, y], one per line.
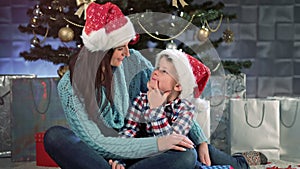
[119, 54]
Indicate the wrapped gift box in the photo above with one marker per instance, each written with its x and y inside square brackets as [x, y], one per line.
[42, 158]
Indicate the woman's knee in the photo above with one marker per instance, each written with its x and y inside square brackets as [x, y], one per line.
[192, 156]
[53, 132]
[53, 135]
[188, 158]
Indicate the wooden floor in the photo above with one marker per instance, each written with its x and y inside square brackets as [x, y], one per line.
[6, 163]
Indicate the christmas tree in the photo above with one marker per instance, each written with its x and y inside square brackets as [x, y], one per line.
[64, 20]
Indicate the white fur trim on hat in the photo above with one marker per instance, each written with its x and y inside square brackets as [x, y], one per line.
[100, 40]
[184, 71]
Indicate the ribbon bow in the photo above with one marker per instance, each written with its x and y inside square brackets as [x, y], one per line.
[83, 4]
[182, 2]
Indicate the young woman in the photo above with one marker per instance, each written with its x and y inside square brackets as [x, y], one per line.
[95, 96]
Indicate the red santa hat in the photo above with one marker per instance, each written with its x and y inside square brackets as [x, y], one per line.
[191, 73]
[106, 27]
[201, 73]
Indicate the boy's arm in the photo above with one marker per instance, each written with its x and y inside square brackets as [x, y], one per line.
[180, 124]
[133, 118]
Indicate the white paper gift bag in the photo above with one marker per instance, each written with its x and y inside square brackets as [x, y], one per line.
[202, 116]
[289, 128]
[254, 125]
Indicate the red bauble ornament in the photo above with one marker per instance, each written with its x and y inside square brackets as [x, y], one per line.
[135, 39]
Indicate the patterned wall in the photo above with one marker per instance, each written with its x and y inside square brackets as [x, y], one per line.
[267, 32]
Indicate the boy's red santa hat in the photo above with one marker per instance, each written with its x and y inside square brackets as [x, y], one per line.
[106, 27]
[191, 73]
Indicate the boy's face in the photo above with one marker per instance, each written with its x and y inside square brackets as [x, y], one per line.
[164, 75]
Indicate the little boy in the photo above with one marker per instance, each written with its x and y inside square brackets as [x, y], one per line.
[169, 105]
[166, 108]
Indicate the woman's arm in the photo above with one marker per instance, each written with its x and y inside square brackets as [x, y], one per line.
[88, 131]
[196, 133]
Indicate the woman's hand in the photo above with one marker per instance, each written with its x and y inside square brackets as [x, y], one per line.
[116, 165]
[174, 142]
[203, 154]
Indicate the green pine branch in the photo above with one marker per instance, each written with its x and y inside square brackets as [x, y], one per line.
[53, 20]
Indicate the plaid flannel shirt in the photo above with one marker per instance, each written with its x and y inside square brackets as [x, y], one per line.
[172, 117]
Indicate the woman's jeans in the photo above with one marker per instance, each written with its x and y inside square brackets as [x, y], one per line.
[69, 152]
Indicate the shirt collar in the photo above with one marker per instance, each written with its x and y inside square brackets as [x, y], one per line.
[173, 103]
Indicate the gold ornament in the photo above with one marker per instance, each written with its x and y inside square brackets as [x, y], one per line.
[34, 22]
[83, 4]
[34, 42]
[182, 2]
[228, 36]
[66, 34]
[203, 34]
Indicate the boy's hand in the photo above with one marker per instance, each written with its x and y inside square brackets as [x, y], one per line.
[155, 97]
[203, 154]
[151, 84]
[116, 165]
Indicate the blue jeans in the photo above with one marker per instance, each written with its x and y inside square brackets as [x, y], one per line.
[218, 157]
[69, 152]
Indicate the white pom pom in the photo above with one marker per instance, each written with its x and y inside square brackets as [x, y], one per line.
[201, 105]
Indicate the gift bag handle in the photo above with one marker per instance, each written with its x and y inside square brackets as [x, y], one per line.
[48, 96]
[218, 104]
[294, 120]
[2, 98]
[262, 119]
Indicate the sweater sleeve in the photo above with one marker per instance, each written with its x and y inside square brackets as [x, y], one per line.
[196, 134]
[88, 131]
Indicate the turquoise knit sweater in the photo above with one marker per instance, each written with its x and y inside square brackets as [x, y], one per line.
[88, 131]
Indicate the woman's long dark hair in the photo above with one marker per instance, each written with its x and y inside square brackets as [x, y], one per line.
[103, 79]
